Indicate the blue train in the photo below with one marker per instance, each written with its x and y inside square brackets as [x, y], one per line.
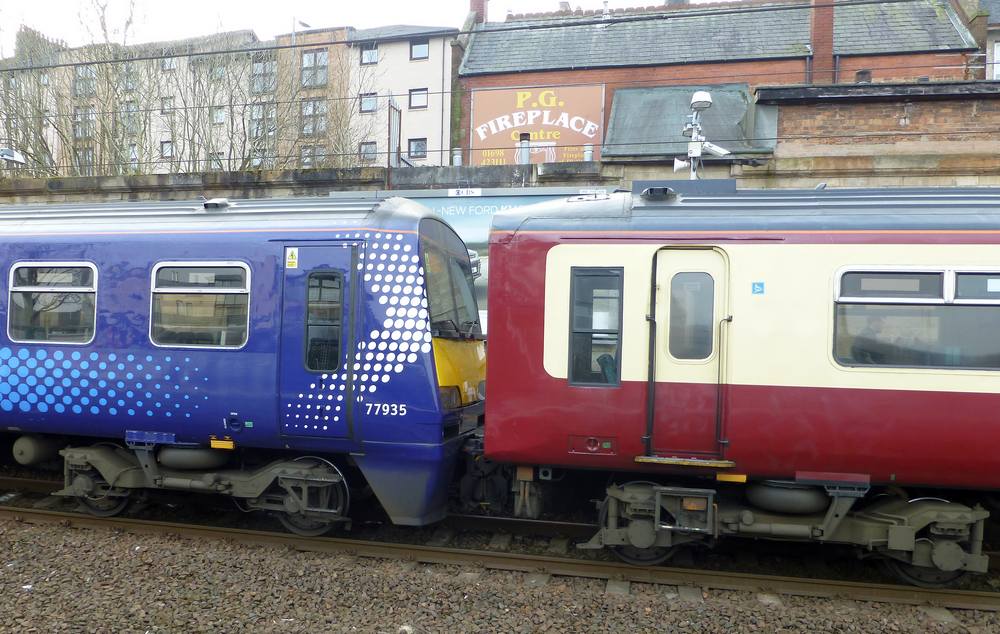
[282, 352]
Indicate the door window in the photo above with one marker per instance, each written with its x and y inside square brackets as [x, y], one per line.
[324, 313]
[692, 305]
[595, 326]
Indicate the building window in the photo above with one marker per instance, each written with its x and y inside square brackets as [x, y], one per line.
[43, 78]
[313, 120]
[324, 311]
[130, 78]
[215, 161]
[166, 149]
[84, 81]
[83, 122]
[692, 308]
[418, 98]
[217, 71]
[369, 53]
[200, 305]
[417, 148]
[314, 65]
[368, 101]
[130, 117]
[52, 302]
[420, 49]
[918, 319]
[133, 158]
[367, 151]
[312, 156]
[263, 74]
[218, 115]
[166, 105]
[263, 120]
[260, 158]
[595, 325]
[84, 157]
[168, 63]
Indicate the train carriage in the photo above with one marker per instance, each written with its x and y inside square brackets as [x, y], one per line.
[283, 352]
[765, 364]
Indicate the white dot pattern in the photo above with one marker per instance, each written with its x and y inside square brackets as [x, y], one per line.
[392, 287]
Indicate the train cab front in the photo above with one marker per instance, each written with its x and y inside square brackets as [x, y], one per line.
[411, 477]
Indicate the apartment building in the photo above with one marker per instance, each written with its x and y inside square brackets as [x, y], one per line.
[331, 97]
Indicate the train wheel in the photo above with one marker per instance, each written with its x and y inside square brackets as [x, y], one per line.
[331, 499]
[106, 506]
[642, 556]
[922, 576]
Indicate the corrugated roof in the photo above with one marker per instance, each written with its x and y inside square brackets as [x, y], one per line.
[717, 34]
[399, 31]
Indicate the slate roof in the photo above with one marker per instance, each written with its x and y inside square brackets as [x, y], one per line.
[647, 122]
[721, 33]
[992, 7]
[399, 32]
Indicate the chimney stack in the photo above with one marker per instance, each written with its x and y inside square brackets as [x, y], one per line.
[479, 8]
[823, 71]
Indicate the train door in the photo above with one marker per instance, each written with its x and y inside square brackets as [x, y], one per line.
[690, 312]
[318, 299]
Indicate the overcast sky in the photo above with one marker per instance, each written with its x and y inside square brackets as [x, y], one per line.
[74, 20]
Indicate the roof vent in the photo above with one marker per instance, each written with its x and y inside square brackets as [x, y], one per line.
[216, 204]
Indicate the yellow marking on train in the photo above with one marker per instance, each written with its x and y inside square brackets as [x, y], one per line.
[461, 363]
[740, 478]
[685, 462]
[223, 443]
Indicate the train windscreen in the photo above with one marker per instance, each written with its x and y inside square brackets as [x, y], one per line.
[452, 308]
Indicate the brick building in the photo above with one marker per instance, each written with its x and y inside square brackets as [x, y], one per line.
[630, 72]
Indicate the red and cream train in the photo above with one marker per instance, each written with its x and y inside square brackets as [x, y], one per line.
[797, 365]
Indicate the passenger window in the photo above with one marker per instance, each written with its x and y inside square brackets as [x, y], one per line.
[935, 331]
[324, 311]
[200, 305]
[595, 326]
[692, 307]
[53, 303]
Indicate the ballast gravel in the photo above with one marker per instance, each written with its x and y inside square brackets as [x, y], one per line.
[59, 579]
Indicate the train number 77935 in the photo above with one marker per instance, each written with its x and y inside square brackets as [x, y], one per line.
[386, 409]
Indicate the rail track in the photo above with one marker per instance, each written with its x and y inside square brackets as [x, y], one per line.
[530, 563]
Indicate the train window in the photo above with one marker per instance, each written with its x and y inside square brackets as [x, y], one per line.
[595, 326]
[324, 309]
[884, 285]
[978, 286]
[52, 302]
[204, 305]
[451, 302]
[692, 306]
[947, 321]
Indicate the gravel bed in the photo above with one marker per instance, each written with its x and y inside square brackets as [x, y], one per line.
[58, 579]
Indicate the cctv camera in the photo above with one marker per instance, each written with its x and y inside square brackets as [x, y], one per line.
[701, 100]
[715, 150]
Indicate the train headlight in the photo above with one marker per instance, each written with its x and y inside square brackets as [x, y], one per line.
[451, 397]
[481, 391]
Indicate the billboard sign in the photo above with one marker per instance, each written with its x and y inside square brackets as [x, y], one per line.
[558, 121]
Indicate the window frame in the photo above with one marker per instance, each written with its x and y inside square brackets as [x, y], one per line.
[949, 286]
[365, 158]
[247, 290]
[305, 327]
[368, 47]
[361, 102]
[46, 289]
[713, 323]
[409, 146]
[595, 271]
[426, 41]
[313, 68]
[418, 91]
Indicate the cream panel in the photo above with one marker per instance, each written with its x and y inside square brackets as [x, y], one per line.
[635, 260]
[783, 336]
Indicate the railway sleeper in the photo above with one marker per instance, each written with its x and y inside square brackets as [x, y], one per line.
[924, 541]
[309, 494]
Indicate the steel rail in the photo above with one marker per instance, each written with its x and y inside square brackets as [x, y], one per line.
[960, 599]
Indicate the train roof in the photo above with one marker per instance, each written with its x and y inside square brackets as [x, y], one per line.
[661, 208]
[217, 215]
